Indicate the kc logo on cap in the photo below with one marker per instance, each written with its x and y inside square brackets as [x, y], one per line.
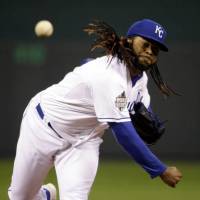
[159, 31]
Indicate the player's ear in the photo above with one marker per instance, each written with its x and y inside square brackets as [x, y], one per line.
[130, 40]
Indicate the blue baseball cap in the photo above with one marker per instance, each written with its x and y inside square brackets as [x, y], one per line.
[149, 29]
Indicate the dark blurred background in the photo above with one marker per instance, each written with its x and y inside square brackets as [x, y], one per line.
[30, 64]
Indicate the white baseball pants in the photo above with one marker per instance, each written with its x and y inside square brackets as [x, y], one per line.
[39, 149]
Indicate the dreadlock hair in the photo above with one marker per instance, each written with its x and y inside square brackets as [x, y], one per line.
[163, 87]
[108, 40]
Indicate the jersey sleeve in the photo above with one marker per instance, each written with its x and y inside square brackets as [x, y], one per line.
[110, 100]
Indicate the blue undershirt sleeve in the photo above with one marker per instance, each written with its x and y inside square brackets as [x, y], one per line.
[128, 138]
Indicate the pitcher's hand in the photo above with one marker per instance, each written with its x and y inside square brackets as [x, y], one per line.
[171, 176]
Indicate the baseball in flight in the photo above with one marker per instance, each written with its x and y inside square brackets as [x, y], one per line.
[44, 28]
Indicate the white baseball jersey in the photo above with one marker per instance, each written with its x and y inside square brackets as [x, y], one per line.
[78, 108]
[93, 94]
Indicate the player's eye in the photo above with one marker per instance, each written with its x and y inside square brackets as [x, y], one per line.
[145, 45]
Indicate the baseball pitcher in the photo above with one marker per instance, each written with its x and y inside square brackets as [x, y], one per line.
[63, 125]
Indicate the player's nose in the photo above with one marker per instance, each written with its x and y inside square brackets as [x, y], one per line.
[149, 50]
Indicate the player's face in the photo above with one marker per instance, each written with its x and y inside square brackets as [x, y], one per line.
[145, 50]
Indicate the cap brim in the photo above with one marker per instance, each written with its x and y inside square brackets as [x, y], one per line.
[163, 47]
